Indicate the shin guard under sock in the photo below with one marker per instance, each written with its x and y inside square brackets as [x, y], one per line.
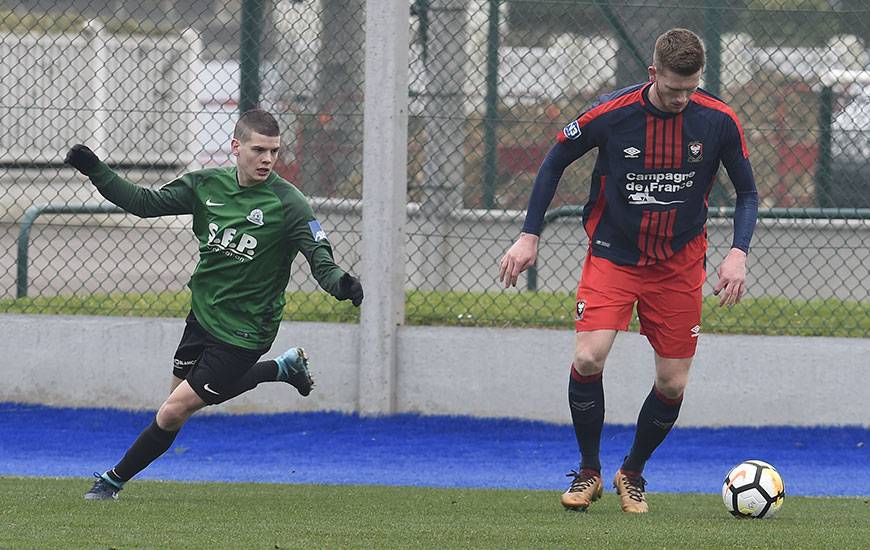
[151, 443]
[586, 399]
[656, 418]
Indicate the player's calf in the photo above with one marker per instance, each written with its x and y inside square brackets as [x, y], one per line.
[293, 369]
[585, 488]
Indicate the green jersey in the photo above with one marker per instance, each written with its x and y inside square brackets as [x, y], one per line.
[248, 238]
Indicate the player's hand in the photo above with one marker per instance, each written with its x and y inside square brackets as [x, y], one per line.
[519, 257]
[349, 288]
[82, 159]
[732, 278]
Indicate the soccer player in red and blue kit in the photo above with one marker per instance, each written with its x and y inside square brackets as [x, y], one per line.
[659, 145]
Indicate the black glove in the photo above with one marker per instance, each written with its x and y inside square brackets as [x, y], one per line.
[82, 159]
[349, 288]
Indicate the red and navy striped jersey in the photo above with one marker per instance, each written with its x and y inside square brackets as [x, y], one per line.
[652, 176]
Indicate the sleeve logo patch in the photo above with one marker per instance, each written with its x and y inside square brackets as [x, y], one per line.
[316, 231]
[572, 131]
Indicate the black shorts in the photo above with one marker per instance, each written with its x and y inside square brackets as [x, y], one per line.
[208, 364]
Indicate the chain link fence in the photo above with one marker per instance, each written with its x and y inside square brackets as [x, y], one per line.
[154, 88]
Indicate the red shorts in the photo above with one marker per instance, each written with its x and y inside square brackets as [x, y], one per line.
[667, 293]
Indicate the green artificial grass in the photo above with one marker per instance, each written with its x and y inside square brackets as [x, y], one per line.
[51, 513]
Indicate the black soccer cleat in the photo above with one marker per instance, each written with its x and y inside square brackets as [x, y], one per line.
[102, 489]
[293, 369]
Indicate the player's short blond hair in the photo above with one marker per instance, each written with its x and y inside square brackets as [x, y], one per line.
[255, 120]
[680, 51]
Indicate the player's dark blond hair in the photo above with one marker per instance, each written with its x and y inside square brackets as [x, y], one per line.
[680, 51]
[255, 120]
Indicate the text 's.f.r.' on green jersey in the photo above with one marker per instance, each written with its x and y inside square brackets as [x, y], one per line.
[248, 237]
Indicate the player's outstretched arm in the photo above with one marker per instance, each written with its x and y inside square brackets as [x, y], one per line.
[732, 278]
[176, 197]
[519, 257]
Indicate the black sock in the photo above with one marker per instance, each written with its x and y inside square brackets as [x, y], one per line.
[264, 371]
[586, 399]
[656, 418]
[151, 443]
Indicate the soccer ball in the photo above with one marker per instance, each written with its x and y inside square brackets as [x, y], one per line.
[753, 489]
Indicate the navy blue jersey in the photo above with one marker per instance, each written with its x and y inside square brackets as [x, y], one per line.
[652, 176]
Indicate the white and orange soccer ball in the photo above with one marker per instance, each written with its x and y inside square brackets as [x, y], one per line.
[753, 489]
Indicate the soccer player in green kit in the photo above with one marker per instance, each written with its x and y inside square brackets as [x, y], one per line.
[250, 224]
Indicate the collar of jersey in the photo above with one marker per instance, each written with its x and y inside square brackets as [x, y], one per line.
[269, 179]
[651, 109]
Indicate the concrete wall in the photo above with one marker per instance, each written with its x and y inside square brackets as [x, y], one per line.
[521, 373]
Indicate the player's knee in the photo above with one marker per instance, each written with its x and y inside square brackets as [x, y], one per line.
[172, 415]
[588, 363]
[672, 387]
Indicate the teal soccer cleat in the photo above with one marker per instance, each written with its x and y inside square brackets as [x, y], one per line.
[293, 369]
[102, 489]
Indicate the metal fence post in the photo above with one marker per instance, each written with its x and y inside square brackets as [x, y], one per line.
[713, 39]
[823, 166]
[249, 62]
[712, 74]
[490, 120]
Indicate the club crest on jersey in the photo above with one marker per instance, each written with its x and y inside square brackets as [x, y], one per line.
[572, 131]
[581, 307]
[696, 151]
[256, 216]
[316, 231]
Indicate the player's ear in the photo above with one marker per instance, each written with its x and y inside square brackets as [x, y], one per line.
[651, 70]
[235, 145]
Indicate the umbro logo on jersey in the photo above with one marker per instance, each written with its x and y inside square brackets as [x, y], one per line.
[696, 331]
[631, 152]
[572, 131]
[256, 216]
[209, 202]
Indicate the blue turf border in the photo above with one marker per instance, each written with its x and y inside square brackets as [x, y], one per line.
[415, 450]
